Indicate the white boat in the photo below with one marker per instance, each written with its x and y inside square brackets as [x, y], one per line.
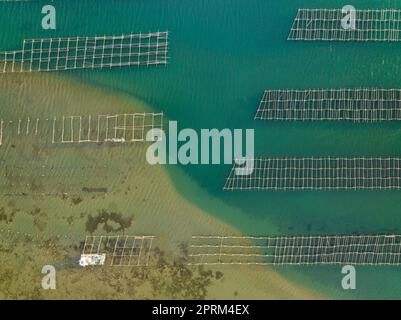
[92, 260]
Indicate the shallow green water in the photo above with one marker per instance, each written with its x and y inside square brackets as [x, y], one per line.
[224, 53]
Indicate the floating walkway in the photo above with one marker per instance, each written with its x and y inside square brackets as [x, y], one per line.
[316, 173]
[296, 250]
[120, 251]
[325, 24]
[357, 105]
[57, 54]
[119, 128]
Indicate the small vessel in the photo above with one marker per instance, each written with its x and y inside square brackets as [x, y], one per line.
[92, 260]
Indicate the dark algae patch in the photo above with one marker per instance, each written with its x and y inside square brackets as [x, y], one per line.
[76, 200]
[108, 222]
[39, 218]
[177, 280]
[8, 215]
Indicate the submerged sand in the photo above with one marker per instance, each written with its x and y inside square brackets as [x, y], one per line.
[48, 204]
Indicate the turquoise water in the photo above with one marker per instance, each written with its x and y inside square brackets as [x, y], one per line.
[223, 55]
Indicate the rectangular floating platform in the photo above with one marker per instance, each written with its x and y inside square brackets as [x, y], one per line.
[119, 128]
[372, 250]
[120, 251]
[327, 173]
[325, 25]
[357, 105]
[57, 54]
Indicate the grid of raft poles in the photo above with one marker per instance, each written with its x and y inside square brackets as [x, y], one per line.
[326, 173]
[55, 54]
[105, 128]
[357, 105]
[121, 251]
[325, 25]
[296, 250]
